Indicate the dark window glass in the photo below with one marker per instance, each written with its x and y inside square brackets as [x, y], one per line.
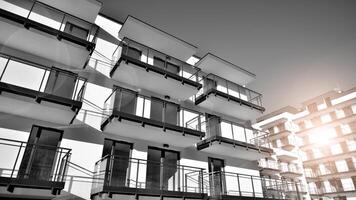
[132, 52]
[76, 30]
[38, 160]
[60, 84]
[125, 101]
[171, 114]
[172, 68]
[158, 62]
[156, 109]
[161, 163]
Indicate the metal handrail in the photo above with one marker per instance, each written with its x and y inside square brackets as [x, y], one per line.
[229, 85]
[93, 27]
[147, 98]
[136, 167]
[182, 64]
[77, 93]
[59, 165]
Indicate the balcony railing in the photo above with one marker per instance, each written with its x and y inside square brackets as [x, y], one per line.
[161, 63]
[214, 82]
[270, 164]
[290, 168]
[54, 18]
[33, 76]
[234, 184]
[175, 115]
[237, 132]
[117, 172]
[20, 160]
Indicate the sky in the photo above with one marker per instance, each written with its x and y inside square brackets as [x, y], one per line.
[297, 49]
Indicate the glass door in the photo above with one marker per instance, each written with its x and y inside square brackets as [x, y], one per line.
[40, 153]
[162, 169]
[119, 162]
[216, 176]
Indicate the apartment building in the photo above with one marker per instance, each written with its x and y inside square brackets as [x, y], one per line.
[91, 112]
[323, 133]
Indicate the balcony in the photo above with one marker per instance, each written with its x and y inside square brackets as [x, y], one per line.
[290, 171]
[37, 92]
[152, 37]
[287, 158]
[279, 135]
[223, 96]
[231, 139]
[45, 31]
[215, 65]
[268, 167]
[130, 114]
[32, 170]
[229, 185]
[139, 177]
[288, 143]
[146, 68]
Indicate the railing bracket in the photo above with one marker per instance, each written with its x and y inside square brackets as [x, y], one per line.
[10, 188]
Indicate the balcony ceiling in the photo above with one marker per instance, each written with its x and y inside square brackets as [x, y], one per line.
[289, 45]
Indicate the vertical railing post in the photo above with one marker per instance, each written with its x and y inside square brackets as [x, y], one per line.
[17, 157]
[253, 187]
[3, 71]
[245, 135]
[60, 27]
[202, 180]
[148, 53]
[183, 181]
[238, 91]
[179, 178]
[43, 77]
[137, 172]
[29, 13]
[238, 184]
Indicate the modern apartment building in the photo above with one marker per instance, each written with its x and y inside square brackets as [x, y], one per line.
[90, 114]
[321, 135]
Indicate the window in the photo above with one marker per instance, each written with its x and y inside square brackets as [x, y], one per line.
[353, 107]
[339, 113]
[279, 143]
[308, 124]
[303, 156]
[323, 170]
[351, 145]
[327, 186]
[275, 129]
[325, 118]
[354, 161]
[308, 172]
[347, 184]
[341, 166]
[321, 106]
[336, 149]
[345, 128]
[317, 153]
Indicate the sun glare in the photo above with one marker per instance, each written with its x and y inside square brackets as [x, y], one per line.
[322, 136]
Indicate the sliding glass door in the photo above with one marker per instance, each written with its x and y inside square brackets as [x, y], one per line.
[162, 169]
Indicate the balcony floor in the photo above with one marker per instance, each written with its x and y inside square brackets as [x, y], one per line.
[32, 104]
[224, 146]
[132, 126]
[128, 193]
[28, 189]
[43, 41]
[223, 103]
